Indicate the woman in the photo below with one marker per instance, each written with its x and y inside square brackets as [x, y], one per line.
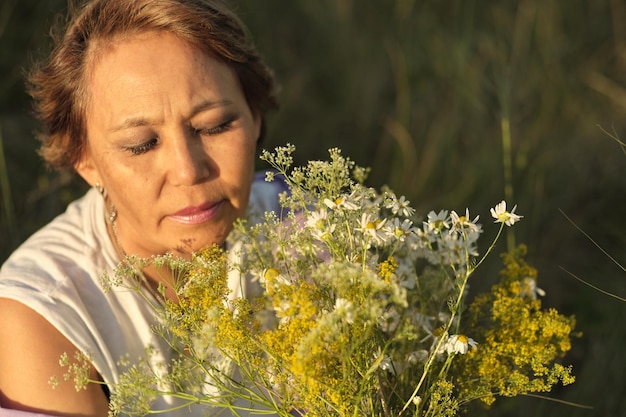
[158, 105]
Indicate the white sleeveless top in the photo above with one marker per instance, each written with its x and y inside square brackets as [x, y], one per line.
[57, 273]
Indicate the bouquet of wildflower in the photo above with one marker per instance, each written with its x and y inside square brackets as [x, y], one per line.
[362, 309]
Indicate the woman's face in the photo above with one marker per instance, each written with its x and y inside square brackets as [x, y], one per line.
[171, 139]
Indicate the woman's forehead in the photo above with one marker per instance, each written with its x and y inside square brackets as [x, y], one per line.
[147, 75]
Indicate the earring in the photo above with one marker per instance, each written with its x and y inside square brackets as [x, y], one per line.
[110, 218]
[99, 188]
[112, 211]
[112, 214]
[116, 238]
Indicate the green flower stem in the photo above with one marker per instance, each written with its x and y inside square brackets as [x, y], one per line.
[433, 354]
[453, 314]
[507, 156]
[489, 249]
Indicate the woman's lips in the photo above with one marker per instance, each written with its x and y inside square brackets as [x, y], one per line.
[196, 215]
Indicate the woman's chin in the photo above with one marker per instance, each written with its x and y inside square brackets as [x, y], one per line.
[200, 240]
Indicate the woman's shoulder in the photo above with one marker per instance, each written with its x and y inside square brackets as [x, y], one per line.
[29, 357]
[57, 274]
[58, 263]
[75, 237]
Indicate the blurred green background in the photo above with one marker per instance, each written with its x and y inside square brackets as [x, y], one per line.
[454, 104]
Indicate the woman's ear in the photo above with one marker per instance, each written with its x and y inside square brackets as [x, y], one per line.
[86, 168]
[259, 129]
[259, 126]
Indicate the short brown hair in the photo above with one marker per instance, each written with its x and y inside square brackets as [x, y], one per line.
[57, 85]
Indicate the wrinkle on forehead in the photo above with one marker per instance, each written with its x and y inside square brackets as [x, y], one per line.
[99, 48]
[110, 87]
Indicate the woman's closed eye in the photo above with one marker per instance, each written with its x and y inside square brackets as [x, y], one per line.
[200, 131]
[143, 147]
[215, 130]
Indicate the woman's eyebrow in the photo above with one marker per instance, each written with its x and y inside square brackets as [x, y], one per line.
[208, 105]
[140, 121]
[130, 123]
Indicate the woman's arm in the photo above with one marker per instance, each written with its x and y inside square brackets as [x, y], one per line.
[30, 348]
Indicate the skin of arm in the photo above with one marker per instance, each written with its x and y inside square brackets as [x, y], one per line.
[29, 357]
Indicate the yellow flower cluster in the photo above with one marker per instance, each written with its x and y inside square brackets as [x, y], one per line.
[520, 342]
[442, 400]
[204, 289]
[312, 345]
[387, 268]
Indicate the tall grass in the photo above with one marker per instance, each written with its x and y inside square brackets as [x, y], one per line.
[7, 213]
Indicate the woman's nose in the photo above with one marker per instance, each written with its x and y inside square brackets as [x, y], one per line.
[189, 162]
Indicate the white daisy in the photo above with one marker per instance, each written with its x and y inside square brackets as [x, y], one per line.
[458, 343]
[502, 216]
[386, 364]
[373, 228]
[463, 222]
[437, 221]
[340, 203]
[399, 205]
[530, 288]
[317, 221]
[401, 230]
